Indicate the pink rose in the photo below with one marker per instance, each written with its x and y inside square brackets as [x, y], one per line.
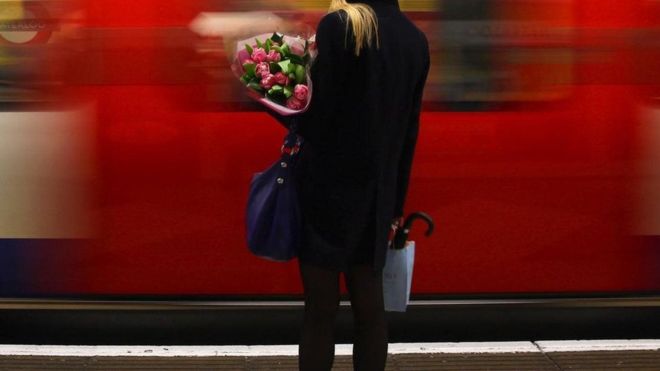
[282, 79]
[263, 69]
[301, 92]
[273, 56]
[259, 55]
[268, 81]
[294, 104]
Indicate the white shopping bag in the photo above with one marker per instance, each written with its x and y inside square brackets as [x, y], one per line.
[397, 277]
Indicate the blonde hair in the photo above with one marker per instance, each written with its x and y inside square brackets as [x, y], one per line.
[363, 20]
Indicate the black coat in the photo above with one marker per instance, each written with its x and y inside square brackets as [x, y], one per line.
[360, 134]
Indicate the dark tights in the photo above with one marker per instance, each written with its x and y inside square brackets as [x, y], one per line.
[365, 287]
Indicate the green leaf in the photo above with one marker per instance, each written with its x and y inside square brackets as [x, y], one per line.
[259, 44]
[276, 95]
[255, 86]
[250, 69]
[249, 49]
[275, 68]
[285, 50]
[285, 65]
[277, 99]
[268, 45]
[300, 74]
[288, 92]
[296, 59]
[293, 68]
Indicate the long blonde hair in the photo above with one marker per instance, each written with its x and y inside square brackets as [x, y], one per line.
[363, 20]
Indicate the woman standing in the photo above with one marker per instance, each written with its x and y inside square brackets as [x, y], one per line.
[360, 134]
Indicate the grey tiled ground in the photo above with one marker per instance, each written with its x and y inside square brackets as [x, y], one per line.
[602, 360]
[595, 361]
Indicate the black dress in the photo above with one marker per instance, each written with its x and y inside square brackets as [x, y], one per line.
[360, 134]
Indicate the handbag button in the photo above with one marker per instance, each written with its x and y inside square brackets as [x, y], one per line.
[283, 164]
[280, 180]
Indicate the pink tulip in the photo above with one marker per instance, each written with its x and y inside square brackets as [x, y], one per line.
[294, 104]
[282, 79]
[259, 55]
[301, 92]
[244, 56]
[263, 69]
[273, 56]
[298, 49]
[268, 81]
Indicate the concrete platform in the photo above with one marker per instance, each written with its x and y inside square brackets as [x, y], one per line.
[541, 355]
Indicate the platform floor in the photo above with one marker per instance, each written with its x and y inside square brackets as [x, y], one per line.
[568, 355]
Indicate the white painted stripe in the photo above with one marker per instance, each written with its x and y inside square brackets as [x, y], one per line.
[340, 349]
[598, 345]
[258, 350]
[468, 347]
[146, 350]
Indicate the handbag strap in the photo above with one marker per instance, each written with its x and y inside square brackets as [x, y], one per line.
[292, 141]
[292, 145]
[293, 125]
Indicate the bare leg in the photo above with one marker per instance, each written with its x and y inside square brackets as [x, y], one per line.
[366, 291]
[317, 346]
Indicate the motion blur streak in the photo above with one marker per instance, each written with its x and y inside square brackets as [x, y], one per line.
[127, 142]
[46, 166]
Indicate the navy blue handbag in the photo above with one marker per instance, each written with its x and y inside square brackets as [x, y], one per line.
[273, 214]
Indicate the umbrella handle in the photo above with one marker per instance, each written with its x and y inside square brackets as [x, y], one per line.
[420, 215]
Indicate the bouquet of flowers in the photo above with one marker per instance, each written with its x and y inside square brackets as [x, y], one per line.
[275, 69]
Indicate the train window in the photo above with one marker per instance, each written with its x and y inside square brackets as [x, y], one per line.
[483, 51]
[504, 51]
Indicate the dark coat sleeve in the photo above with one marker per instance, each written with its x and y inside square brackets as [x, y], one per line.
[328, 73]
[410, 141]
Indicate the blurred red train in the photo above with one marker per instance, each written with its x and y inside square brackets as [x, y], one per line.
[537, 155]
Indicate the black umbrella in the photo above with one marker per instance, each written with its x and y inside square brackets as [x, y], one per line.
[401, 236]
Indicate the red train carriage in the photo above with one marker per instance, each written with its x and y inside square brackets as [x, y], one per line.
[534, 157]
